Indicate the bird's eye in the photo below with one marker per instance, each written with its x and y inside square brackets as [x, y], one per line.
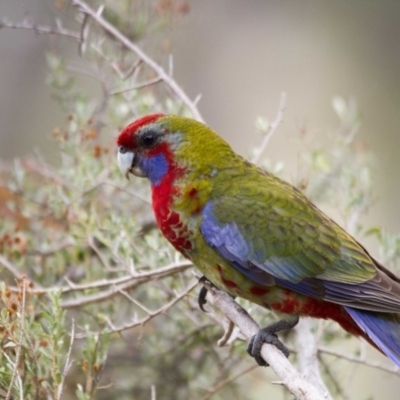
[148, 139]
[122, 149]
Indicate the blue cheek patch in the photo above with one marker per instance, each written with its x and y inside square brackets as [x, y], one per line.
[155, 167]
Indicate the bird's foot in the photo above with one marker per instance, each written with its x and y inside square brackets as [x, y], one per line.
[268, 335]
[202, 298]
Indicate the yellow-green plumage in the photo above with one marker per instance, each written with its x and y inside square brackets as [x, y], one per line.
[255, 235]
[271, 211]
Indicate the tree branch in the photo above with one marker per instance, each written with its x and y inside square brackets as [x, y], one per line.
[290, 378]
[161, 74]
[360, 360]
[41, 29]
[271, 128]
[307, 355]
[226, 382]
[150, 314]
[11, 268]
[67, 364]
[117, 289]
[15, 372]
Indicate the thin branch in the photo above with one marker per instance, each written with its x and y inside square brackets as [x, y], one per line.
[153, 392]
[84, 33]
[136, 281]
[50, 251]
[40, 29]
[128, 279]
[290, 378]
[271, 128]
[339, 386]
[35, 368]
[164, 76]
[227, 335]
[127, 191]
[137, 302]
[132, 70]
[12, 268]
[360, 360]
[19, 347]
[227, 381]
[48, 172]
[307, 355]
[145, 320]
[21, 394]
[180, 341]
[142, 85]
[96, 250]
[67, 363]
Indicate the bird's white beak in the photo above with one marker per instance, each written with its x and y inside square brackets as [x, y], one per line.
[127, 161]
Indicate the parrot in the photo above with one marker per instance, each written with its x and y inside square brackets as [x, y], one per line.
[256, 236]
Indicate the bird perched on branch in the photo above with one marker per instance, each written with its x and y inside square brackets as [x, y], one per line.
[258, 237]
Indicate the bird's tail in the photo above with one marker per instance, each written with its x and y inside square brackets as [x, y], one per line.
[383, 329]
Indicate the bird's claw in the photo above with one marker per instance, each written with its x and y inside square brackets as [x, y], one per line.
[268, 335]
[202, 298]
[257, 341]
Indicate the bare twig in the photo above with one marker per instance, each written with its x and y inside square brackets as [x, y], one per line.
[164, 76]
[142, 85]
[153, 392]
[40, 29]
[21, 394]
[15, 372]
[360, 360]
[131, 279]
[67, 363]
[227, 335]
[271, 129]
[12, 268]
[35, 367]
[132, 70]
[340, 387]
[50, 251]
[96, 250]
[135, 281]
[84, 33]
[127, 191]
[307, 351]
[149, 317]
[227, 381]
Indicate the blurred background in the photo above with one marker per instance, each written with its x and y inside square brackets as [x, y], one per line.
[240, 56]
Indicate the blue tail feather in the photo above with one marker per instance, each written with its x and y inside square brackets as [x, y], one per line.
[382, 328]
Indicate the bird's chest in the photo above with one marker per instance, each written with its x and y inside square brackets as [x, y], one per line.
[178, 209]
[171, 221]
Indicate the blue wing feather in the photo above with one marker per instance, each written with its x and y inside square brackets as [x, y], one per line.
[371, 303]
[383, 329]
[288, 272]
[229, 241]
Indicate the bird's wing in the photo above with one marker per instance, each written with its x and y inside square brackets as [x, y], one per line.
[280, 236]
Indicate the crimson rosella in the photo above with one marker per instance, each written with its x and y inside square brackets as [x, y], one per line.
[258, 237]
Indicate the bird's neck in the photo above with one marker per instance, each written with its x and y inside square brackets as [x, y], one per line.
[177, 201]
[171, 221]
[163, 194]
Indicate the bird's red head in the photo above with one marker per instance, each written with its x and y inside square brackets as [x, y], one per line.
[158, 146]
[144, 148]
[127, 138]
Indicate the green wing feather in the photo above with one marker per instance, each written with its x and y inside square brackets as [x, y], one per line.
[280, 222]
